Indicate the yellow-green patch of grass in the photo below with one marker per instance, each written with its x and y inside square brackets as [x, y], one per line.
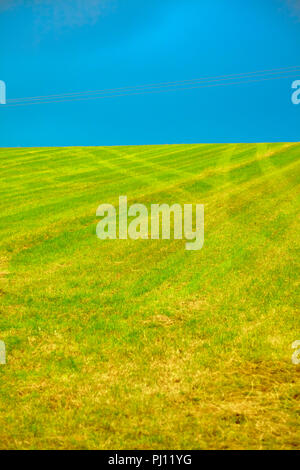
[141, 344]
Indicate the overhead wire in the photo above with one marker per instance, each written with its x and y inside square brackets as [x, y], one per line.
[273, 74]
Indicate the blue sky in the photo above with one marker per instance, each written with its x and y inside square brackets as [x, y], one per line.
[54, 47]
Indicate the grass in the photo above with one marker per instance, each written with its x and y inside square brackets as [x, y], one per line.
[140, 344]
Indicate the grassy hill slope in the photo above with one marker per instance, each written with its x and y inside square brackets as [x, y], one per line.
[141, 344]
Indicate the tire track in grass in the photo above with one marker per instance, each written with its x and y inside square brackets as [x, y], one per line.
[269, 209]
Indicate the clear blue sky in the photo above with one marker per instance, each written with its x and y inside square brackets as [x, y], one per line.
[53, 47]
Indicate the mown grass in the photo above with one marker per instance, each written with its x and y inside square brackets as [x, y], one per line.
[141, 344]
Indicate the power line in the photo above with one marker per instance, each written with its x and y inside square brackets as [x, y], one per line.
[161, 85]
[115, 95]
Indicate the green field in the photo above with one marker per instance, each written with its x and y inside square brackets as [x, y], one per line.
[123, 344]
